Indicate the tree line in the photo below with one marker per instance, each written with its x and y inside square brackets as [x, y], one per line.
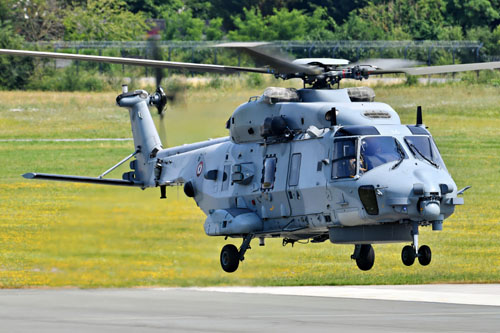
[244, 20]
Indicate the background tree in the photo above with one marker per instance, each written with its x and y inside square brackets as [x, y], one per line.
[474, 13]
[396, 19]
[39, 20]
[152, 8]
[283, 24]
[15, 72]
[228, 10]
[104, 20]
[338, 10]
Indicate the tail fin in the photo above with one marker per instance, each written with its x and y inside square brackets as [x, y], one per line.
[146, 139]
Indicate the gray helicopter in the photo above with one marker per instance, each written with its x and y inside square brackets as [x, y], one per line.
[315, 164]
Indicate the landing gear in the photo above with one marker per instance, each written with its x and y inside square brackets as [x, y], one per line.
[424, 255]
[409, 253]
[364, 255]
[230, 257]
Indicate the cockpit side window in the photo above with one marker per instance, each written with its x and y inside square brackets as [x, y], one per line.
[344, 158]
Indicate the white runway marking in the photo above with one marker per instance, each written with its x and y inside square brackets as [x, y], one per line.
[66, 140]
[471, 294]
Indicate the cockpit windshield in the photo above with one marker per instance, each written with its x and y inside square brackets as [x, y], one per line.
[373, 152]
[378, 150]
[423, 148]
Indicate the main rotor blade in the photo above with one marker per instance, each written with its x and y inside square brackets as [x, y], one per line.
[387, 63]
[274, 60]
[429, 70]
[139, 62]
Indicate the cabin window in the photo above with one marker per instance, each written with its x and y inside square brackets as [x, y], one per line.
[344, 160]
[295, 170]
[268, 173]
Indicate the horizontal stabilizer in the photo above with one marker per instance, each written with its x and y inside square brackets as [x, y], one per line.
[78, 179]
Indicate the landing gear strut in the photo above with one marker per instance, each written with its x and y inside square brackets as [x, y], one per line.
[364, 255]
[409, 253]
[230, 257]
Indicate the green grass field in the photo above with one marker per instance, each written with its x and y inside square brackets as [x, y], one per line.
[62, 234]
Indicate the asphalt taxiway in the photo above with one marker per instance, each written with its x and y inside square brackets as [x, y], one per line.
[428, 308]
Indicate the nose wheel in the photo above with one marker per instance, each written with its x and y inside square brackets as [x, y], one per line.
[424, 255]
[409, 254]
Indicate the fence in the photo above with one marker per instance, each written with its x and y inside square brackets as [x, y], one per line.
[428, 51]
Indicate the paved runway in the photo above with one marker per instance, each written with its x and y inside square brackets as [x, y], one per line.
[291, 309]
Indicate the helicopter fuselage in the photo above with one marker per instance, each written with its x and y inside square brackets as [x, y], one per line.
[316, 182]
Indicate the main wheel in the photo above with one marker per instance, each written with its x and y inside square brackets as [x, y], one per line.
[366, 257]
[229, 258]
[408, 255]
[424, 255]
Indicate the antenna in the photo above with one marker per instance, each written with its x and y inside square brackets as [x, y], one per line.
[419, 116]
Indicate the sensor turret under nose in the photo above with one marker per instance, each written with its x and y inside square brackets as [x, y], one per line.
[430, 210]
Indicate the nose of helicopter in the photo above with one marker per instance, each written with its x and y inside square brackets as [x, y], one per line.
[430, 187]
[414, 191]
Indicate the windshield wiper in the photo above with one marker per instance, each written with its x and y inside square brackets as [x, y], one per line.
[401, 157]
[415, 149]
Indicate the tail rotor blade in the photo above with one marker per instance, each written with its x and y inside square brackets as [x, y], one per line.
[162, 129]
[158, 76]
[156, 55]
[161, 105]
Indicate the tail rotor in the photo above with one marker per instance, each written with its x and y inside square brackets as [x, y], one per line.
[159, 98]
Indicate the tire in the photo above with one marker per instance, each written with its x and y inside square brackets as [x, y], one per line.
[424, 255]
[366, 257]
[229, 258]
[408, 255]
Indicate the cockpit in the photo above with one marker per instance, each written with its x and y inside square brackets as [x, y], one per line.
[423, 147]
[355, 155]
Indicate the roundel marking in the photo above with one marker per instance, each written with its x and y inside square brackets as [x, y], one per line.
[199, 169]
